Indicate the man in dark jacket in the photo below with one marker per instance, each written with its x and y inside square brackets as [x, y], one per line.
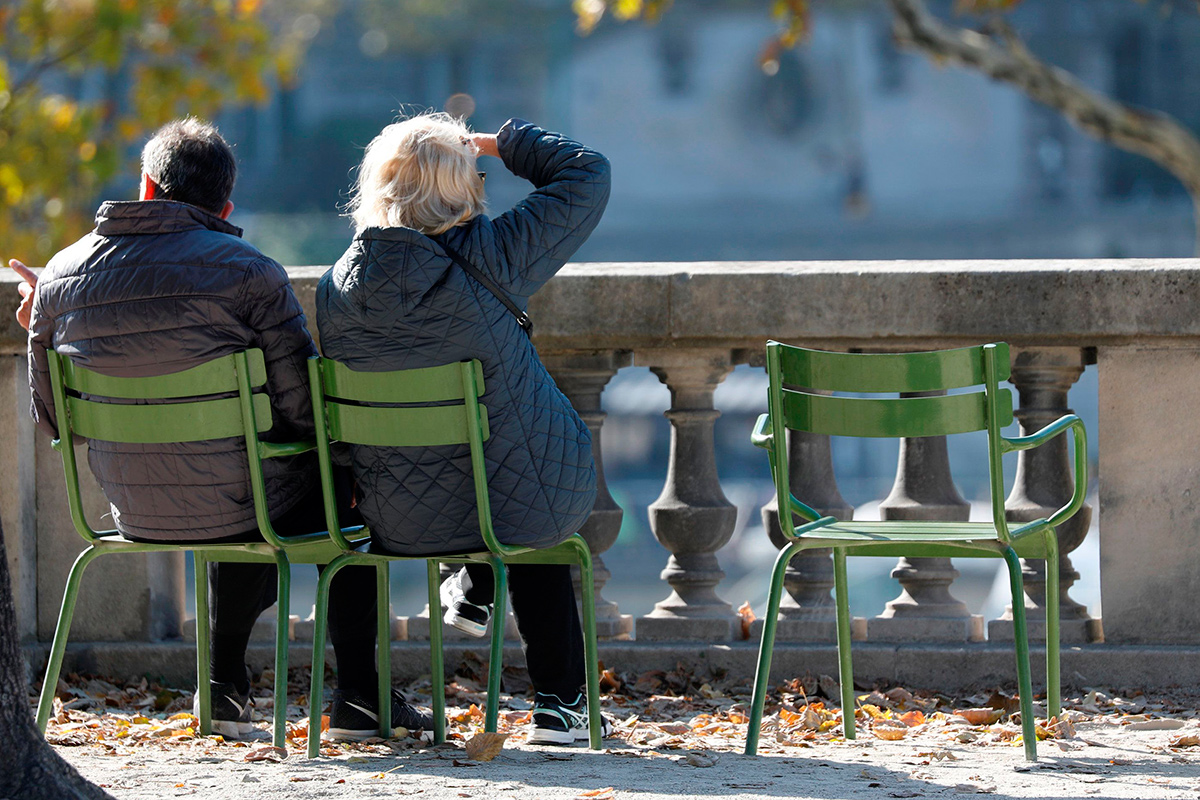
[163, 284]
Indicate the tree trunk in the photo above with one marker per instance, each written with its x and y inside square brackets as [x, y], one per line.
[29, 768]
[1004, 57]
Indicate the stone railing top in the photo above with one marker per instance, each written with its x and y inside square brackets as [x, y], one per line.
[733, 304]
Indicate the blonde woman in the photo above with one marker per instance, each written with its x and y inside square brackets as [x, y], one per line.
[431, 279]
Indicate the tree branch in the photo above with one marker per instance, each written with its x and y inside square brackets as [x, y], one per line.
[1003, 57]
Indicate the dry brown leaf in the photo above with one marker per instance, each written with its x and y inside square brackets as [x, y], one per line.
[980, 716]
[485, 746]
[607, 791]
[889, 731]
[747, 616]
[1156, 725]
[266, 754]
[1186, 740]
[1060, 728]
[912, 718]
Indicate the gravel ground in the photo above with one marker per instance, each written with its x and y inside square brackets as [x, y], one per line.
[677, 735]
[1103, 761]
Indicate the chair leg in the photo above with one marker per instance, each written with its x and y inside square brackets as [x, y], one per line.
[1021, 635]
[766, 645]
[496, 662]
[316, 692]
[1053, 674]
[383, 646]
[845, 667]
[283, 607]
[590, 654]
[203, 644]
[437, 669]
[61, 631]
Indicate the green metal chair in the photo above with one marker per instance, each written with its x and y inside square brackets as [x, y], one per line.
[201, 408]
[797, 378]
[424, 408]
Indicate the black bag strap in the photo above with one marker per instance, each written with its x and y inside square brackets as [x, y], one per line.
[522, 318]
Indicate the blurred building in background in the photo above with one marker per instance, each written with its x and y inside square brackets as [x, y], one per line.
[842, 148]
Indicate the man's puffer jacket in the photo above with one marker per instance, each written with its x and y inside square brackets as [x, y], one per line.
[159, 287]
[395, 300]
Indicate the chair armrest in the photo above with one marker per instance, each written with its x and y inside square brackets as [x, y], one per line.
[760, 437]
[280, 449]
[1066, 422]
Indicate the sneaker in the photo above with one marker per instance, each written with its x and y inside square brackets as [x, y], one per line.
[230, 710]
[556, 722]
[468, 617]
[354, 717]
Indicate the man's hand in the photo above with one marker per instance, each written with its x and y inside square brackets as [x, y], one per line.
[25, 288]
[486, 142]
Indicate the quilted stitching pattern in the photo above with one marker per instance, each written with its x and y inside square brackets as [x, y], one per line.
[396, 301]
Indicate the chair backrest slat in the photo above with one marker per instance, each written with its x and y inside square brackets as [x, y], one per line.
[428, 385]
[424, 426]
[887, 372]
[892, 417]
[218, 376]
[163, 423]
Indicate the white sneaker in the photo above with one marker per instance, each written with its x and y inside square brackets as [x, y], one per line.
[556, 722]
[470, 618]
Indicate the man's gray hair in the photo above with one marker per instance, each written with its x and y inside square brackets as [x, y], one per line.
[191, 163]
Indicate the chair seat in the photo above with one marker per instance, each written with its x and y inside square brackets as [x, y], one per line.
[919, 538]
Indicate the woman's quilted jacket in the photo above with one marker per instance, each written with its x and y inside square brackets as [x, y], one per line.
[395, 300]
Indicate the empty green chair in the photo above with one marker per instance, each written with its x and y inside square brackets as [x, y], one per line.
[201, 408]
[440, 406]
[799, 399]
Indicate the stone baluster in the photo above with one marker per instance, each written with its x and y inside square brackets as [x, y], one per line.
[1044, 482]
[691, 518]
[582, 378]
[807, 612]
[925, 610]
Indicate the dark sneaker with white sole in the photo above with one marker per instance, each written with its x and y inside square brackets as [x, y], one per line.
[556, 722]
[470, 618]
[230, 710]
[355, 717]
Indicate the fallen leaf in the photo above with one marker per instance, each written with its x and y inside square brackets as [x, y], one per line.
[889, 730]
[975, 788]
[266, 754]
[939, 755]
[1061, 728]
[1186, 740]
[1156, 725]
[485, 746]
[980, 716]
[747, 616]
[607, 790]
[912, 718]
[699, 760]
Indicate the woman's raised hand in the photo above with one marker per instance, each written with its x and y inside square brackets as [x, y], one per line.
[486, 142]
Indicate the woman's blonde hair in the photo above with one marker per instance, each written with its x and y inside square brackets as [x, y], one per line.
[419, 173]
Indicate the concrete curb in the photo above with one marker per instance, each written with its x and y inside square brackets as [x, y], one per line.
[947, 668]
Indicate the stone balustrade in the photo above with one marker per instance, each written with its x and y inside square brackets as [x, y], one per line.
[691, 324]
